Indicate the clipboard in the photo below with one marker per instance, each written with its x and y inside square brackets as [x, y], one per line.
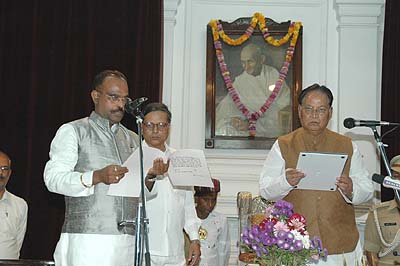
[321, 170]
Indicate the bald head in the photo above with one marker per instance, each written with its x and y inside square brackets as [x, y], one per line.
[252, 59]
[4, 156]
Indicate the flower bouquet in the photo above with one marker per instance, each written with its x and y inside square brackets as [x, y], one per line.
[281, 238]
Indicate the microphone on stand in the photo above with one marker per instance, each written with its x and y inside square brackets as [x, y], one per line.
[351, 122]
[132, 105]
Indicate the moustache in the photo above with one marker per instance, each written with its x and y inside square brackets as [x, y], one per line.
[119, 110]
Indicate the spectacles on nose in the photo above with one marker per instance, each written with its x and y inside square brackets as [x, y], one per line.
[4, 168]
[114, 98]
[311, 110]
[161, 126]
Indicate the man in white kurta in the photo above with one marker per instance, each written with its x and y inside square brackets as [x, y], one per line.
[13, 215]
[278, 180]
[273, 186]
[254, 86]
[170, 209]
[85, 158]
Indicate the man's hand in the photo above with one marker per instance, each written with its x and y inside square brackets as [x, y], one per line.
[109, 175]
[194, 253]
[293, 176]
[159, 168]
[345, 184]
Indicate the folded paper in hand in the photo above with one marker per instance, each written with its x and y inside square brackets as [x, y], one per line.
[186, 168]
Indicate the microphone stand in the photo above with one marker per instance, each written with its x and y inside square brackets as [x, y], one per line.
[142, 234]
[381, 147]
[141, 221]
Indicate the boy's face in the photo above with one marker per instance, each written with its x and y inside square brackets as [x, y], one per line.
[205, 204]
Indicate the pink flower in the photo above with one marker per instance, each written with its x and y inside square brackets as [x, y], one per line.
[281, 226]
[298, 222]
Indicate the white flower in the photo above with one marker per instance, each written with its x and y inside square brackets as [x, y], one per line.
[305, 239]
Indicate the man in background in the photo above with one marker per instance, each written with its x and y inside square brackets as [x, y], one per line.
[330, 214]
[171, 209]
[13, 214]
[213, 233]
[382, 230]
[253, 86]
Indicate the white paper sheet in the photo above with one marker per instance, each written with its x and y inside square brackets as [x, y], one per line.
[129, 186]
[189, 168]
[321, 170]
[186, 168]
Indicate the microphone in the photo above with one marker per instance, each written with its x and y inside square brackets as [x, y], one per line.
[386, 181]
[132, 105]
[351, 122]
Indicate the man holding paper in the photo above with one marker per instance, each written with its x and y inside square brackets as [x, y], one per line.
[171, 209]
[330, 214]
[85, 158]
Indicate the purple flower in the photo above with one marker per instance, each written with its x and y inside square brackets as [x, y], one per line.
[292, 249]
[298, 244]
[281, 234]
[325, 253]
[276, 236]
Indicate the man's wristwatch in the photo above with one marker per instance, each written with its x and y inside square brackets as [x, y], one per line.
[151, 178]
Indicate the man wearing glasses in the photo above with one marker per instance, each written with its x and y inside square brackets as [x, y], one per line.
[85, 158]
[13, 214]
[330, 214]
[172, 209]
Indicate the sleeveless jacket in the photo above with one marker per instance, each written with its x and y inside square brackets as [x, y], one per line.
[100, 146]
[328, 215]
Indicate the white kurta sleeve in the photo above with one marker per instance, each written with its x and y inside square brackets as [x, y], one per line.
[59, 174]
[22, 225]
[192, 223]
[273, 182]
[153, 193]
[224, 244]
[363, 189]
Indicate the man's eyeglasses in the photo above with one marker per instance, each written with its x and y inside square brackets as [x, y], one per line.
[115, 98]
[311, 110]
[160, 126]
[5, 168]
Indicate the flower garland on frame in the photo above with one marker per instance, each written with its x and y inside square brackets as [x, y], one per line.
[258, 18]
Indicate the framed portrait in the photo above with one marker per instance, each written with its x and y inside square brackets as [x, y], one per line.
[252, 68]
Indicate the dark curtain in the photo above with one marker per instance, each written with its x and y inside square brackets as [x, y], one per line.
[391, 83]
[49, 53]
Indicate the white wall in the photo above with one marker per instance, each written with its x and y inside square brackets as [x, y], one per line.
[342, 41]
